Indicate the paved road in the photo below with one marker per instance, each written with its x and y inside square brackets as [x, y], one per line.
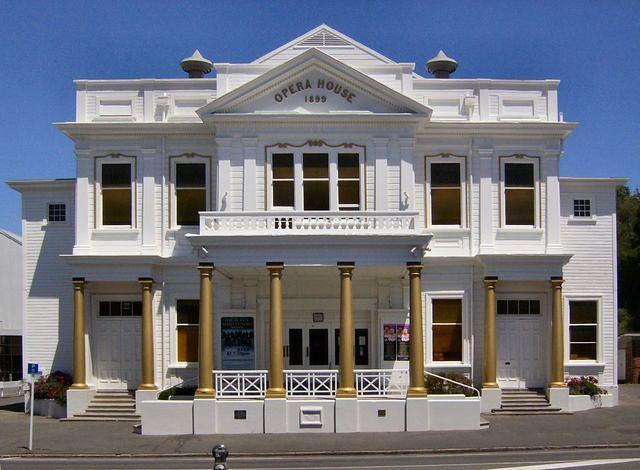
[584, 458]
[619, 426]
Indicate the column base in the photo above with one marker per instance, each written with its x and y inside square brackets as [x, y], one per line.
[556, 385]
[145, 395]
[346, 392]
[491, 399]
[490, 385]
[346, 414]
[79, 386]
[276, 393]
[416, 392]
[205, 393]
[78, 400]
[147, 387]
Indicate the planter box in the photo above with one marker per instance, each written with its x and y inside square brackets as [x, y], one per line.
[585, 402]
[453, 412]
[49, 408]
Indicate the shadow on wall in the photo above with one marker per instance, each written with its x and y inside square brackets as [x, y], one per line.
[50, 302]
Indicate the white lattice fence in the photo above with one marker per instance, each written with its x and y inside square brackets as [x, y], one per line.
[392, 383]
[311, 383]
[240, 383]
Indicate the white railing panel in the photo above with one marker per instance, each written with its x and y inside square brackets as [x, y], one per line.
[390, 383]
[288, 222]
[240, 383]
[311, 383]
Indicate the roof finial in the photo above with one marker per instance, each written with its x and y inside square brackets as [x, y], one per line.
[196, 65]
[441, 66]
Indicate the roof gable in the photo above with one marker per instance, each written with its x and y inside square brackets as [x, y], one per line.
[332, 43]
[313, 83]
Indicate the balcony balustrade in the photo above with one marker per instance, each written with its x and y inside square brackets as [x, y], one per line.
[306, 223]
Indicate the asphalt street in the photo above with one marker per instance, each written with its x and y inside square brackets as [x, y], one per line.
[619, 458]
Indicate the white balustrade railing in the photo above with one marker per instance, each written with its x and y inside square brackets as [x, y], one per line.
[240, 383]
[311, 383]
[391, 383]
[289, 222]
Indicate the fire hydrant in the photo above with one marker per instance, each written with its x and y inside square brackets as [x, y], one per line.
[220, 454]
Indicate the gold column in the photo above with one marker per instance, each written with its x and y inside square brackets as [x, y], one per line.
[205, 333]
[347, 378]
[490, 358]
[416, 345]
[557, 335]
[276, 360]
[148, 375]
[79, 372]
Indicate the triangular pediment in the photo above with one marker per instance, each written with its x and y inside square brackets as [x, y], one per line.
[329, 41]
[313, 83]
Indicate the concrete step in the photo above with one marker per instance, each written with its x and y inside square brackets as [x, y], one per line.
[550, 411]
[531, 401]
[98, 409]
[115, 416]
[526, 407]
[122, 404]
[95, 418]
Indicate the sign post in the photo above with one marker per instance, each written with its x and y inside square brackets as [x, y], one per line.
[34, 373]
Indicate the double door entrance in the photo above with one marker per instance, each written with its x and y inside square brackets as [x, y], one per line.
[312, 346]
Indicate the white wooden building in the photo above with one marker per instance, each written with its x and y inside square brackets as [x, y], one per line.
[10, 309]
[314, 184]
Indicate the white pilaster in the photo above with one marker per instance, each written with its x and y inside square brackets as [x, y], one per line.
[550, 167]
[83, 172]
[407, 176]
[250, 146]
[380, 154]
[149, 156]
[224, 146]
[486, 199]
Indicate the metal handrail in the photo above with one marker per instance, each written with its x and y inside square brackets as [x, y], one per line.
[453, 381]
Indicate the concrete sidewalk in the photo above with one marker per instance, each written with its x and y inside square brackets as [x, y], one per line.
[610, 426]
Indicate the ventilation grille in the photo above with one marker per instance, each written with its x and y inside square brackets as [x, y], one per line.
[324, 39]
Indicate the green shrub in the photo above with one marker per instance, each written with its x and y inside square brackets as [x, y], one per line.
[177, 390]
[438, 386]
[585, 386]
[54, 386]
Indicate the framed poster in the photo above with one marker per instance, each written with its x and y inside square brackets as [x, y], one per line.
[389, 341]
[237, 343]
[395, 341]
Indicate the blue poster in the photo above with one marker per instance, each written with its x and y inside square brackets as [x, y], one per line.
[238, 343]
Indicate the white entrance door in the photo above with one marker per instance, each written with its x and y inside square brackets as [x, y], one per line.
[118, 353]
[521, 347]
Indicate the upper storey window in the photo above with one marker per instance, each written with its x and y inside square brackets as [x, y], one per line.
[116, 194]
[519, 196]
[191, 192]
[190, 189]
[445, 190]
[324, 180]
[315, 181]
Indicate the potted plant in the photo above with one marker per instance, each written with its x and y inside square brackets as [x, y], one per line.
[50, 395]
[585, 393]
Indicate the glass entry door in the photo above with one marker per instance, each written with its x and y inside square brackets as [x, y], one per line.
[307, 348]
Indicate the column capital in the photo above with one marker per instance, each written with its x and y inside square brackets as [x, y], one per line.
[275, 267]
[346, 267]
[206, 269]
[145, 282]
[490, 282]
[78, 282]
[414, 267]
[557, 281]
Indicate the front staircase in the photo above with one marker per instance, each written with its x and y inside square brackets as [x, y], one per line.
[525, 402]
[109, 405]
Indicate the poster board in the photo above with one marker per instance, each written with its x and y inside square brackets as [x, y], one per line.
[238, 344]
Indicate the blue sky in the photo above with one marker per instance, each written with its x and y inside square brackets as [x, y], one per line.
[592, 47]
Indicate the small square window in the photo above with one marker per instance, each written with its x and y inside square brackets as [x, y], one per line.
[582, 208]
[57, 213]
